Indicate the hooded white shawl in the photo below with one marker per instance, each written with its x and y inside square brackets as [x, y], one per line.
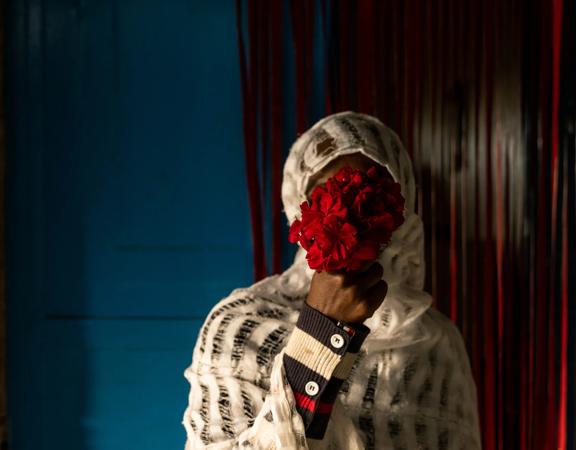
[411, 386]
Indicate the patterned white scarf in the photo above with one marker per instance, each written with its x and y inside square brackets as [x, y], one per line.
[411, 386]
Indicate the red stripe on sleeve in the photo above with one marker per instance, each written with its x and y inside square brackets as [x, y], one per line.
[307, 403]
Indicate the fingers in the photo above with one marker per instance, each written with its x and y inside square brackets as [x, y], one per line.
[348, 296]
[367, 279]
[375, 295]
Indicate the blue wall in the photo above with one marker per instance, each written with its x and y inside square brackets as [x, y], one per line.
[127, 213]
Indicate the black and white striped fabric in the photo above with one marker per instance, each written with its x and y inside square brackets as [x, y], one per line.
[418, 394]
[409, 386]
[318, 358]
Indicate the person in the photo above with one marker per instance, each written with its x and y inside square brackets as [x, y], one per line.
[323, 360]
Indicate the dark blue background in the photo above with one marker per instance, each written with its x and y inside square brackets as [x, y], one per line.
[127, 211]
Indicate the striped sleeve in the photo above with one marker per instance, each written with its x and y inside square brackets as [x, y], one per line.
[239, 396]
[318, 358]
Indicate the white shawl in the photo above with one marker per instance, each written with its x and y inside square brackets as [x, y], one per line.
[411, 386]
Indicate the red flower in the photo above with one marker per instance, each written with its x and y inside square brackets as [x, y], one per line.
[347, 221]
[327, 202]
[333, 242]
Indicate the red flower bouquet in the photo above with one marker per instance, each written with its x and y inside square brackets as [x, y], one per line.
[349, 219]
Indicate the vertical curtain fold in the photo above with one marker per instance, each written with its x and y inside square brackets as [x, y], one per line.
[483, 95]
[248, 66]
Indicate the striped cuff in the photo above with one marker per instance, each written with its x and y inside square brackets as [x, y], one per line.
[318, 358]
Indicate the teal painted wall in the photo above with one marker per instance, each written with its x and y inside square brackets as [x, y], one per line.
[127, 213]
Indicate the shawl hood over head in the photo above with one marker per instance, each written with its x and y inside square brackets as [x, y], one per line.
[403, 258]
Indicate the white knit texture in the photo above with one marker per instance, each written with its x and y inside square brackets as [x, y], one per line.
[411, 386]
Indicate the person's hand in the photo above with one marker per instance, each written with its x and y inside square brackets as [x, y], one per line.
[351, 297]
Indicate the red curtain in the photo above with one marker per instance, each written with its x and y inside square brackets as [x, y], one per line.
[483, 95]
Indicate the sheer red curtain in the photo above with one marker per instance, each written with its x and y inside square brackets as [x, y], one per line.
[483, 95]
